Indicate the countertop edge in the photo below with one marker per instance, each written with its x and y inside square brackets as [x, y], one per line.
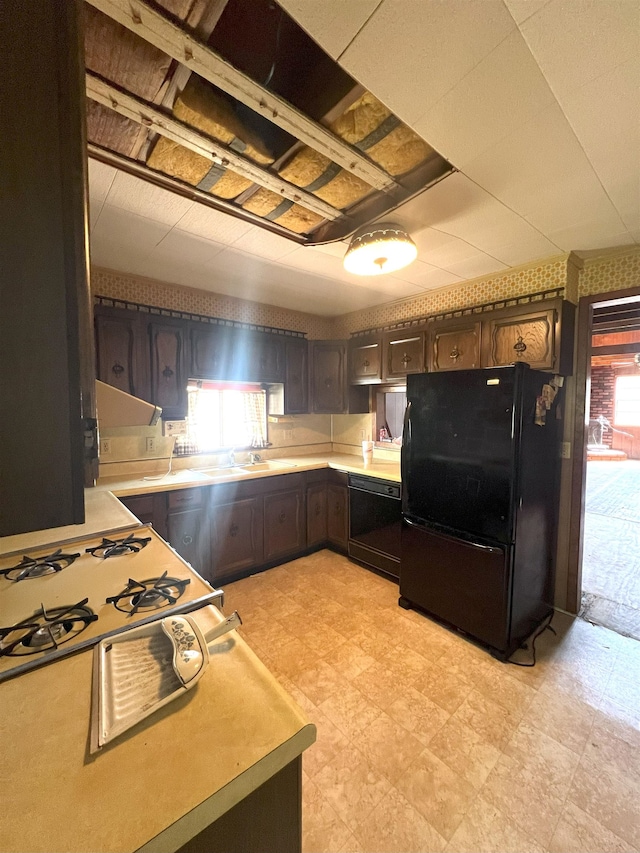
[202, 816]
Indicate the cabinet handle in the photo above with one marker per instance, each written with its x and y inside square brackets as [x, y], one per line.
[184, 499]
[233, 530]
[187, 540]
[282, 518]
[327, 383]
[519, 345]
[318, 509]
[365, 363]
[405, 359]
[167, 372]
[455, 354]
[117, 369]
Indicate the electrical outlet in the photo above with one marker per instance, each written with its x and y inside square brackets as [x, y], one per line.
[566, 450]
[105, 447]
[287, 434]
[151, 444]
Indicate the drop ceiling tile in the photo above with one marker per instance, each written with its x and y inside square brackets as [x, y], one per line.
[101, 177]
[145, 199]
[593, 234]
[265, 244]
[338, 249]
[332, 23]
[412, 56]
[119, 229]
[577, 42]
[542, 173]
[186, 248]
[442, 250]
[502, 91]
[461, 208]
[212, 224]
[478, 265]
[523, 9]
[605, 115]
[95, 209]
[421, 274]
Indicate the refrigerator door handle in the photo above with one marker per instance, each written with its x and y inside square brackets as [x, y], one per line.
[405, 454]
[488, 549]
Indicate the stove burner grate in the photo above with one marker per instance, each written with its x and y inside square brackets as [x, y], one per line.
[37, 567]
[45, 630]
[116, 547]
[150, 594]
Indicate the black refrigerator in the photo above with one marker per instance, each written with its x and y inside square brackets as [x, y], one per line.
[480, 477]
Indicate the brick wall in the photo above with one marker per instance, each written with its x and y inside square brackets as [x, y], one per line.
[602, 394]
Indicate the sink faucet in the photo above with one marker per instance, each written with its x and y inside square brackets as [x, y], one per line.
[232, 457]
[254, 457]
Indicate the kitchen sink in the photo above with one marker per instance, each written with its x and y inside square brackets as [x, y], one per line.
[268, 465]
[233, 471]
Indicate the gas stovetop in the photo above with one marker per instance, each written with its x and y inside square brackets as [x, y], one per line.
[66, 597]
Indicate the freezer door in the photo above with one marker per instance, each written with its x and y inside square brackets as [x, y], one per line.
[463, 583]
[459, 450]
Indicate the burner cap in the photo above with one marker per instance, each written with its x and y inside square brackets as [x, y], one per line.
[117, 547]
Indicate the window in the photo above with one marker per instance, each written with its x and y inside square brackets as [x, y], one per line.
[627, 401]
[222, 415]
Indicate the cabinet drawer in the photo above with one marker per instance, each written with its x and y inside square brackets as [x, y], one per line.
[183, 498]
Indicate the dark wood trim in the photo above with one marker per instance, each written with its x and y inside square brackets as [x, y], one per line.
[578, 468]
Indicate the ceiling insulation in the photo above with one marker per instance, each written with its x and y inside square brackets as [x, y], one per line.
[269, 125]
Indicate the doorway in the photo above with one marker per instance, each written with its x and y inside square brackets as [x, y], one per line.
[609, 588]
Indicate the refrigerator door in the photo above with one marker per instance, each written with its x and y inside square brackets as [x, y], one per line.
[460, 448]
[463, 583]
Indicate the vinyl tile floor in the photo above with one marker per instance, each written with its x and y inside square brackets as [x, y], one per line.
[427, 743]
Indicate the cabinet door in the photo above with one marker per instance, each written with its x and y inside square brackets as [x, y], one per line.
[284, 526]
[236, 537]
[267, 357]
[122, 352]
[296, 378]
[211, 350]
[364, 360]
[316, 514]
[47, 374]
[403, 353]
[149, 509]
[338, 515]
[187, 533]
[328, 377]
[168, 369]
[454, 346]
[528, 337]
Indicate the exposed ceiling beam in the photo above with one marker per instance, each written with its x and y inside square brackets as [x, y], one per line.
[140, 170]
[155, 119]
[157, 29]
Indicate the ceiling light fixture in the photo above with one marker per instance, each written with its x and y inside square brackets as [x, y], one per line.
[384, 248]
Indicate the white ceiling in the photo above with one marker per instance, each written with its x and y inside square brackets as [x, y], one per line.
[535, 102]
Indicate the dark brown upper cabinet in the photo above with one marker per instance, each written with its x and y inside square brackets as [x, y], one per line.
[454, 344]
[47, 369]
[329, 377]
[211, 351]
[292, 396]
[169, 368]
[266, 361]
[403, 352]
[541, 335]
[365, 360]
[122, 350]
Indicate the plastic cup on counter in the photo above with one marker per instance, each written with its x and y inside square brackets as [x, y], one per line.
[367, 451]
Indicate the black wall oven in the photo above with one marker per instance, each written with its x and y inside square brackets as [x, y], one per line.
[375, 516]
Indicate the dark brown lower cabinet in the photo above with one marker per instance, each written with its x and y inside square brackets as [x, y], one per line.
[237, 541]
[338, 515]
[284, 529]
[150, 509]
[188, 535]
[269, 820]
[316, 514]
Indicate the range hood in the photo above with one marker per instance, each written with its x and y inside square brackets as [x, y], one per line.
[116, 408]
